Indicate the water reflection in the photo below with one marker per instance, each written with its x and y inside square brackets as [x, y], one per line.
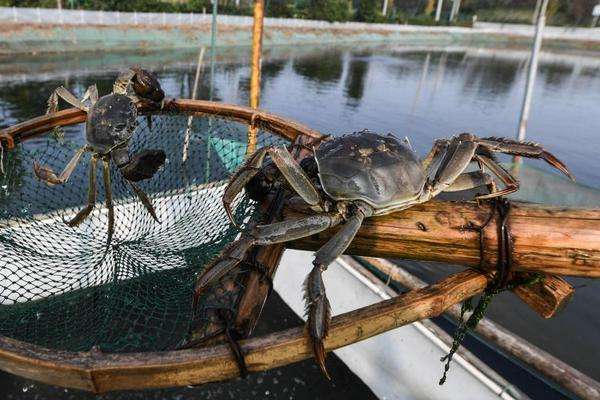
[355, 80]
[321, 68]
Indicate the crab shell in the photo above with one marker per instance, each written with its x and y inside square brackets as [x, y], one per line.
[111, 121]
[379, 170]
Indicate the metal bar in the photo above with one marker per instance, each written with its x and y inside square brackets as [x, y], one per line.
[532, 71]
[534, 357]
[257, 36]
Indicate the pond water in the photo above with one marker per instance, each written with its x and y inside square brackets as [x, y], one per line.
[421, 93]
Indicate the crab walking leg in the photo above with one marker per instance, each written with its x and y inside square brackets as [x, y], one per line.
[318, 311]
[144, 199]
[525, 149]
[431, 159]
[91, 94]
[458, 155]
[67, 96]
[512, 184]
[470, 180]
[278, 232]
[46, 174]
[288, 167]
[83, 214]
[294, 174]
[109, 200]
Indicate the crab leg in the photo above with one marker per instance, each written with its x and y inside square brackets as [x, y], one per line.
[318, 311]
[144, 199]
[91, 94]
[47, 175]
[470, 180]
[512, 185]
[432, 157]
[525, 149]
[83, 214]
[278, 232]
[288, 167]
[65, 95]
[458, 155]
[109, 200]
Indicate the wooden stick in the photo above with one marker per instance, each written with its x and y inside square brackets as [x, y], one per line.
[281, 126]
[546, 239]
[536, 358]
[257, 39]
[548, 297]
[100, 372]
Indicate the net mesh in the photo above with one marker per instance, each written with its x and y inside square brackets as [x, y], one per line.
[60, 287]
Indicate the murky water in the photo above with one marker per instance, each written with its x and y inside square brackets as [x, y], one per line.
[420, 93]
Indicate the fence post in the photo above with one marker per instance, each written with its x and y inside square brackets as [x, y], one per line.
[164, 18]
[39, 15]
[101, 17]
[135, 19]
[61, 20]
[81, 16]
[118, 18]
[15, 17]
[191, 18]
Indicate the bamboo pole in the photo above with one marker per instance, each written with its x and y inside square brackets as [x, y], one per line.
[534, 357]
[257, 37]
[546, 239]
[98, 372]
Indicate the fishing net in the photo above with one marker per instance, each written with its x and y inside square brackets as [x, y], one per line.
[62, 288]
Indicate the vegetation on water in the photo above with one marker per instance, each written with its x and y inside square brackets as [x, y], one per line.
[418, 12]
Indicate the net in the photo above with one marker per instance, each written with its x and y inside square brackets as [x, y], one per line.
[60, 287]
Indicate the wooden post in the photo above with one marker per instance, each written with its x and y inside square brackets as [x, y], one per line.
[257, 36]
[549, 240]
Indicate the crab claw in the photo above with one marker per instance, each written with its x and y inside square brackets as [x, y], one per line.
[525, 149]
[318, 314]
[46, 174]
[143, 165]
[146, 85]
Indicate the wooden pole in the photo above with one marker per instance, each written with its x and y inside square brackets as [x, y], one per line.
[546, 239]
[532, 71]
[534, 357]
[257, 37]
[98, 372]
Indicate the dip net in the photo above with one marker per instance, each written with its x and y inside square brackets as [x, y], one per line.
[62, 288]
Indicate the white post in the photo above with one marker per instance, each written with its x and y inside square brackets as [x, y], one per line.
[454, 10]
[135, 20]
[191, 18]
[60, 16]
[164, 18]
[39, 15]
[438, 10]
[118, 18]
[15, 17]
[179, 16]
[536, 12]
[81, 16]
[384, 9]
[532, 71]
[101, 17]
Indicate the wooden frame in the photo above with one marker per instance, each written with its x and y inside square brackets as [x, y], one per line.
[98, 372]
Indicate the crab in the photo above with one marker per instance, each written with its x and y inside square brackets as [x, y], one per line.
[110, 124]
[348, 179]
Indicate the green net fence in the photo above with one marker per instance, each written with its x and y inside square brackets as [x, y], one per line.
[61, 288]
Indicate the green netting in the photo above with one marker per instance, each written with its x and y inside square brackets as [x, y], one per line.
[57, 287]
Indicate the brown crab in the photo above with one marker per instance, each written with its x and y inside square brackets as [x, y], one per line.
[353, 177]
[110, 124]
